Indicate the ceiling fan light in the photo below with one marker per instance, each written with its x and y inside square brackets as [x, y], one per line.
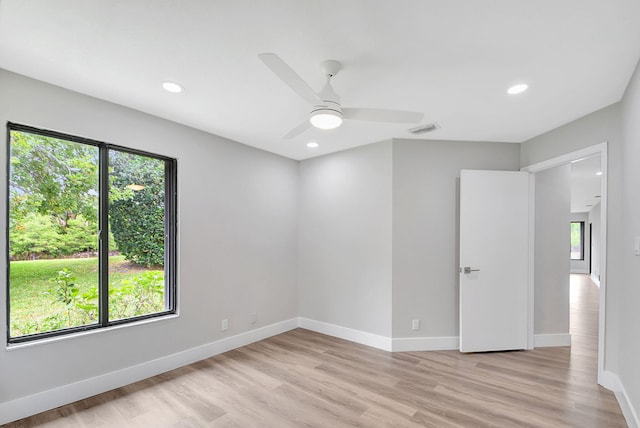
[325, 119]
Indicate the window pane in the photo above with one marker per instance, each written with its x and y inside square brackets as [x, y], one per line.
[577, 231]
[53, 234]
[137, 225]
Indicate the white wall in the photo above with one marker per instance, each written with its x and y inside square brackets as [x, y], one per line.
[552, 238]
[237, 239]
[592, 129]
[426, 180]
[594, 220]
[582, 266]
[344, 271]
[629, 354]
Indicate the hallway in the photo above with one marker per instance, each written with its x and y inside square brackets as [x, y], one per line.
[585, 296]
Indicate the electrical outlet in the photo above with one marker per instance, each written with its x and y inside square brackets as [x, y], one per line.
[415, 325]
[253, 317]
[225, 324]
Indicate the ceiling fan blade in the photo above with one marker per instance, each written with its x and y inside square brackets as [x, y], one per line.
[382, 115]
[297, 130]
[290, 77]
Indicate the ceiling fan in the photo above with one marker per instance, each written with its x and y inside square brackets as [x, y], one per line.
[327, 113]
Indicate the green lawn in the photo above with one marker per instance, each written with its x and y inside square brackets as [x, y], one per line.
[34, 305]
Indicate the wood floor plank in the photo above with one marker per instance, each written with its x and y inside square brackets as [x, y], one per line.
[302, 378]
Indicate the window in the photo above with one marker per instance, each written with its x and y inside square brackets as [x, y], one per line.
[577, 240]
[91, 239]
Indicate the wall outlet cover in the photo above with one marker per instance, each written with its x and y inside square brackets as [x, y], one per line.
[415, 325]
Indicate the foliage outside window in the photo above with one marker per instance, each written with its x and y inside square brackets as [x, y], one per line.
[577, 240]
[91, 234]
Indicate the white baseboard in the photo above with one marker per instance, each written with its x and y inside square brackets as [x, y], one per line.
[549, 340]
[411, 344]
[358, 336]
[611, 381]
[46, 400]
[595, 279]
[403, 344]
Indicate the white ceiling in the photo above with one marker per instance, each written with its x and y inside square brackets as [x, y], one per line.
[585, 184]
[451, 60]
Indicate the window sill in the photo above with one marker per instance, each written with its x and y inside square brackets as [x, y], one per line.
[9, 347]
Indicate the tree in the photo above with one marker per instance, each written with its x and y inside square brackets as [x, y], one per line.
[137, 206]
[53, 177]
[53, 199]
[53, 196]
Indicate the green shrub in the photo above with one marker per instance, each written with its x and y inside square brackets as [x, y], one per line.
[41, 235]
[141, 294]
[137, 216]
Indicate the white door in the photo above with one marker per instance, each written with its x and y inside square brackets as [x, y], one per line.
[494, 233]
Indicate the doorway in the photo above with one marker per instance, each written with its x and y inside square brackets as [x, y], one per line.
[567, 159]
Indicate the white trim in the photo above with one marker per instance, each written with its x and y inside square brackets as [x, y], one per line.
[550, 340]
[612, 381]
[358, 336]
[11, 347]
[414, 344]
[401, 344]
[595, 279]
[46, 400]
[567, 158]
[600, 149]
[603, 259]
[531, 264]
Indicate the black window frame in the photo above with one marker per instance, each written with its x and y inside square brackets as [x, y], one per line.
[581, 241]
[171, 230]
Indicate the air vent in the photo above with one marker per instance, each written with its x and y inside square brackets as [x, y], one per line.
[423, 129]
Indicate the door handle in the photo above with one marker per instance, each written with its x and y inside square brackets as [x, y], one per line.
[468, 270]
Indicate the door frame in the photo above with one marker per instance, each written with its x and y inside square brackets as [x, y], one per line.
[567, 158]
[590, 245]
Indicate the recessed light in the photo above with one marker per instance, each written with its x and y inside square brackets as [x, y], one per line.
[599, 173]
[517, 89]
[172, 87]
[312, 144]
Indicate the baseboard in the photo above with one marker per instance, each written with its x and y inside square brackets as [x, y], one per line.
[358, 336]
[46, 400]
[611, 381]
[595, 279]
[549, 340]
[411, 344]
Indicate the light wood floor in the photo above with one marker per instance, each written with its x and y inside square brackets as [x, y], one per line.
[301, 378]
